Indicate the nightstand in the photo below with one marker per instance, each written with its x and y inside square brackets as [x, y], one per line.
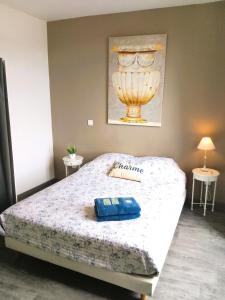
[207, 177]
[74, 163]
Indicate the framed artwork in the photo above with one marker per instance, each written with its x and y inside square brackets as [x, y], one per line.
[136, 79]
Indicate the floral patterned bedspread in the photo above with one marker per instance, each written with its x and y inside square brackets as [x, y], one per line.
[61, 218]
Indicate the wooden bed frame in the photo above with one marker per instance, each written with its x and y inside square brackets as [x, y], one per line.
[140, 284]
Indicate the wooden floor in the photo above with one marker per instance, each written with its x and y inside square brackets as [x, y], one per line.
[194, 269]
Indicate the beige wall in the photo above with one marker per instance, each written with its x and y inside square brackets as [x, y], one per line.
[194, 92]
[23, 46]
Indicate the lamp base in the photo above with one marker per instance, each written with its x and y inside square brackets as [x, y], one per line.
[205, 158]
[204, 169]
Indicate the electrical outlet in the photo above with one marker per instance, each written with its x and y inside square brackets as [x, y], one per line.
[90, 123]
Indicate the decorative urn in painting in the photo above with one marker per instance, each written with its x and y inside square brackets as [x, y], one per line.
[136, 82]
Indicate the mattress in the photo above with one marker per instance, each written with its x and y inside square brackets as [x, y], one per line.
[61, 218]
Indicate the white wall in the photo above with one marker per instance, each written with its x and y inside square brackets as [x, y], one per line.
[23, 46]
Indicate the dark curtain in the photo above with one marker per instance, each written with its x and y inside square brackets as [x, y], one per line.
[7, 183]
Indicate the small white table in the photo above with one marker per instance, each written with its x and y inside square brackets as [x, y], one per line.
[74, 163]
[207, 177]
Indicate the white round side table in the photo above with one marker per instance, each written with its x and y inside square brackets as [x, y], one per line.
[206, 176]
[74, 163]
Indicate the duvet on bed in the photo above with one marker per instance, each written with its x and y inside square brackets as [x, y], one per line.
[61, 218]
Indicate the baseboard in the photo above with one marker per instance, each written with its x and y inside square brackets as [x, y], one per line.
[36, 189]
[219, 206]
[2, 242]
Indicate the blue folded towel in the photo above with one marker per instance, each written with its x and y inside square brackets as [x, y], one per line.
[117, 218]
[116, 206]
[115, 209]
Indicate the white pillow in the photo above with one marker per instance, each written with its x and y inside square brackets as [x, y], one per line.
[128, 170]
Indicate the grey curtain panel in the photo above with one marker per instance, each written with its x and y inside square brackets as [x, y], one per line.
[7, 183]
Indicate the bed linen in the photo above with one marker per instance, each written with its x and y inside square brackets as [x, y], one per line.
[61, 218]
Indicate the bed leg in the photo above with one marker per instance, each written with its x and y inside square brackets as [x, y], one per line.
[144, 297]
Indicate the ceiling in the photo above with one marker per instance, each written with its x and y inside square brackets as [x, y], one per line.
[64, 9]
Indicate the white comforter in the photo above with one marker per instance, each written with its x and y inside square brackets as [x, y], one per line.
[61, 218]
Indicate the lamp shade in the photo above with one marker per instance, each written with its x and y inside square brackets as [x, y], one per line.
[206, 144]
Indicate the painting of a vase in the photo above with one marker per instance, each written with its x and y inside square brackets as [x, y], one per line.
[136, 77]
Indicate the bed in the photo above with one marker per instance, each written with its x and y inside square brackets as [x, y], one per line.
[58, 224]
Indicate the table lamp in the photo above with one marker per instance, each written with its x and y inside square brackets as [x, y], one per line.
[206, 144]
